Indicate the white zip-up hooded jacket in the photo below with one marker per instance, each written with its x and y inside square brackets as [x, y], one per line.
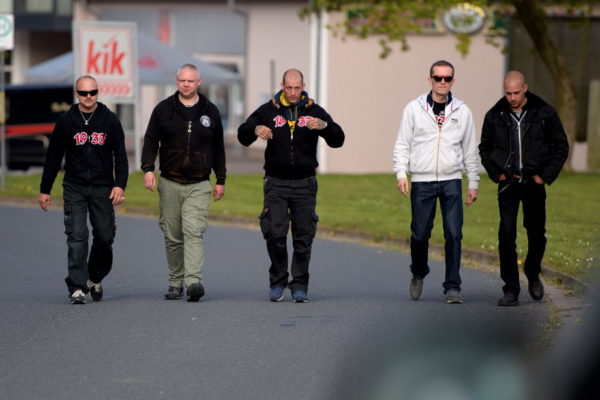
[432, 153]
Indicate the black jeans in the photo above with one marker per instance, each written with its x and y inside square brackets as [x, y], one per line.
[533, 197]
[78, 200]
[289, 201]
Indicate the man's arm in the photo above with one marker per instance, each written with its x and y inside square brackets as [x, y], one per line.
[120, 156]
[218, 149]
[487, 146]
[151, 142]
[327, 128]
[471, 157]
[559, 148]
[401, 153]
[247, 132]
[54, 156]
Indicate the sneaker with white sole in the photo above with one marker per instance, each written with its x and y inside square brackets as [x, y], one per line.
[95, 291]
[78, 297]
[454, 297]
[276, 294]
[299, 296]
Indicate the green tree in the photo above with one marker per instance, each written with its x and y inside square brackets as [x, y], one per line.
[393, 20]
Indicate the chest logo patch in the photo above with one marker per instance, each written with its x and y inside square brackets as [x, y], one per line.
[205, 120]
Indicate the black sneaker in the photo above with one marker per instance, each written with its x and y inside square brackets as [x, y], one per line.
[78, 297]
[96, 291]
[194, 292]
[508, 300]
[536, 289]
[416, 288]
[174, 293]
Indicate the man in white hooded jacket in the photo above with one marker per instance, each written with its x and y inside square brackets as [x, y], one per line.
[436, 142]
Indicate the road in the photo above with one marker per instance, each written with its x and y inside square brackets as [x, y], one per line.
[234, 343]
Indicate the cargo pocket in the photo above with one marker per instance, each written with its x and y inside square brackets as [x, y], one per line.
[265, 225]
[314, 220]
[68, 219]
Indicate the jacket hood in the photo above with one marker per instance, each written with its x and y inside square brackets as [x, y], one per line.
[426, 101]
[279, 100]
[98, 117]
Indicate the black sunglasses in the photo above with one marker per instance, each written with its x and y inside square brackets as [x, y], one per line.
[446, 79]
[84, 93]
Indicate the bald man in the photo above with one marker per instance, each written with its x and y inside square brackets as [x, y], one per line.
[291, 124]
[523, 147]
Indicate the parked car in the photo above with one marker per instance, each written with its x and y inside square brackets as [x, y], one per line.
[31, 113]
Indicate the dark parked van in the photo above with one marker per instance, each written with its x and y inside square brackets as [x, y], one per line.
[31, 112]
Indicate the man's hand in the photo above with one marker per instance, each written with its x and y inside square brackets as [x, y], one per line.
[117, 195]
[45, 201]
[149, 181]
[471, 196]
[218, 192]
[403, 186]
[538, 180]
[502, 177]
[316, 123]
[263, 132]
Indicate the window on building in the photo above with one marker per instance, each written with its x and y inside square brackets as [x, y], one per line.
[64, 7]
[39, 6]
[6, 6]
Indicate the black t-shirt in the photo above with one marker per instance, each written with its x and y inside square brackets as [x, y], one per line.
[439, 110]
[189, 112]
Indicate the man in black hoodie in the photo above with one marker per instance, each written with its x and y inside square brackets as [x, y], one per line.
[291, 123]
[186, 130]
[523, 146]
[91, 139]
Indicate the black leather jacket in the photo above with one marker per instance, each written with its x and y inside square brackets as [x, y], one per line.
[545, 147]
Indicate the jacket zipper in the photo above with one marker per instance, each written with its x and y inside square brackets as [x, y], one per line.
[292, 128]
[520, 144]
[437, 156]
[187, 153]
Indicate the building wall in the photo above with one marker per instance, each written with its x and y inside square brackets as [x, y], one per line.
[366, 95]
[275, 34]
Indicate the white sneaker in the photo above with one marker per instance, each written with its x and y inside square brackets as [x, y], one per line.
[78, 297]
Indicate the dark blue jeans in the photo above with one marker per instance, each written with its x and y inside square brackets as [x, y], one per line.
[533, 197]
[78, 200]
[289, 201]
[423, 198]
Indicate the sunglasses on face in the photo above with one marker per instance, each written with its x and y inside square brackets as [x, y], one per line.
[446, 79]
[85, 93]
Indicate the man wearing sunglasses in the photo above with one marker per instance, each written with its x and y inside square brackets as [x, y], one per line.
[523, 146]
[186, 130]
[436, 142]
[90, 138]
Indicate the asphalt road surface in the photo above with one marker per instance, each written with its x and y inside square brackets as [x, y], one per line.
[234, 343]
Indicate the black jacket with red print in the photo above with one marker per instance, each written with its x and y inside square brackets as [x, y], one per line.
[94, 154]
[292, 152]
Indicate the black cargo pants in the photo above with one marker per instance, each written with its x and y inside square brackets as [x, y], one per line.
[285, 201]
